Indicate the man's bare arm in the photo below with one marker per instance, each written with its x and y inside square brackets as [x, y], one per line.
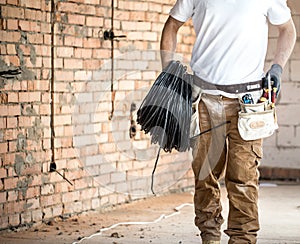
[169, 40]
[285, 43]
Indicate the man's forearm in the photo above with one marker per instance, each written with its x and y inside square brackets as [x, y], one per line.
[285, 43]
[169, 40]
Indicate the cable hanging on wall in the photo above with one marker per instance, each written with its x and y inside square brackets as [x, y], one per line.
[110, 35]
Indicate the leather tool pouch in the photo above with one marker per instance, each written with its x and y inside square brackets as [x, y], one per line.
[257, 121]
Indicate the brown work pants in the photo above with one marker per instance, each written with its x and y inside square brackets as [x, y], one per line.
[219, 151]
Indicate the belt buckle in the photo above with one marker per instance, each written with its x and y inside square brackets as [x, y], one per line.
[253, 87]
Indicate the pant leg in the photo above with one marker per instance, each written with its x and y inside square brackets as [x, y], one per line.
[208, 166]
[242, 185]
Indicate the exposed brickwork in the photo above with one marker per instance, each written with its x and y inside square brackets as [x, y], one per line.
[103, 164]
[282, 150]
[94, 153]
[269, 173]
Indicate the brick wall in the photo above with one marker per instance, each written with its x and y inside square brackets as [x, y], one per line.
[26, 186]
[59, 109]
[282, 150]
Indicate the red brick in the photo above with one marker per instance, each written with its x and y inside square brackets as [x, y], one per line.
[14, 207]
[25, 49]
[70, 196]
[2, 122]
[94, 21]
[67, 7]
[11, 49]
[73, 41]
[32, 170]
[33, 14]
[101, 53]
[14, 110]
[125, 15]
[50, 200]
[32, 4]
[9, 36]
[26, 218]
[45, 28]
[9, 159]
[65, 51]
[37, 215]
[4, 97]
[12, 195]
[47, 189]
[83, 53]
[43, 51]
[3, 173]
[3, 197]
[73, 63]
[69, 153]
[102, 11]
[36, 38]
[62, 120]
[61, 187]
[10, 183]
[3, 221]
[12, 145]
[3, 149]
[33, 192]
[12, 122]
[23, 96]
[89, 193]
[41, 156]
[57, 210]
[2, 49]
[44, 109]
[64, 75]
[3, 110]
[92, 64]
[81, 184]
[13, 97]
[47, 39]
[73, 207]
[24, 121]
[76, 19]
[12, 12]
[46, 62]
[24, 25]
[11, 134]
[14, 219]
[91, 43]
[13, 60]
[36, 181]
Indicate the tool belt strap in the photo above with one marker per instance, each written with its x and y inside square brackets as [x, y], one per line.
[237, 88]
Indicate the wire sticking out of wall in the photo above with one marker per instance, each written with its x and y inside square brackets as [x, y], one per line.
[53, 169]
[10, 74]
[110, 35]
[163, 216]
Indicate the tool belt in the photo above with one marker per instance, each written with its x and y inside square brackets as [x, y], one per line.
[235, 89]
[257, 121]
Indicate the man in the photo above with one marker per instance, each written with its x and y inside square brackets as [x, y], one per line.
[228, 62]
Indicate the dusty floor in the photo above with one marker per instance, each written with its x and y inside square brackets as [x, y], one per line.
[73, 229]
[279, 216]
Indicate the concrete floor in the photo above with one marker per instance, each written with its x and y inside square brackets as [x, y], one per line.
[279, 217]
[157, 220]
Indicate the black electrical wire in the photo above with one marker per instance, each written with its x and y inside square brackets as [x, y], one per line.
[10, 74]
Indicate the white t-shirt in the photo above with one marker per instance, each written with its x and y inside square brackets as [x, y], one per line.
[231, 36]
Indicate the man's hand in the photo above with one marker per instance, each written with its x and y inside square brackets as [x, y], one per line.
[275, 74]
